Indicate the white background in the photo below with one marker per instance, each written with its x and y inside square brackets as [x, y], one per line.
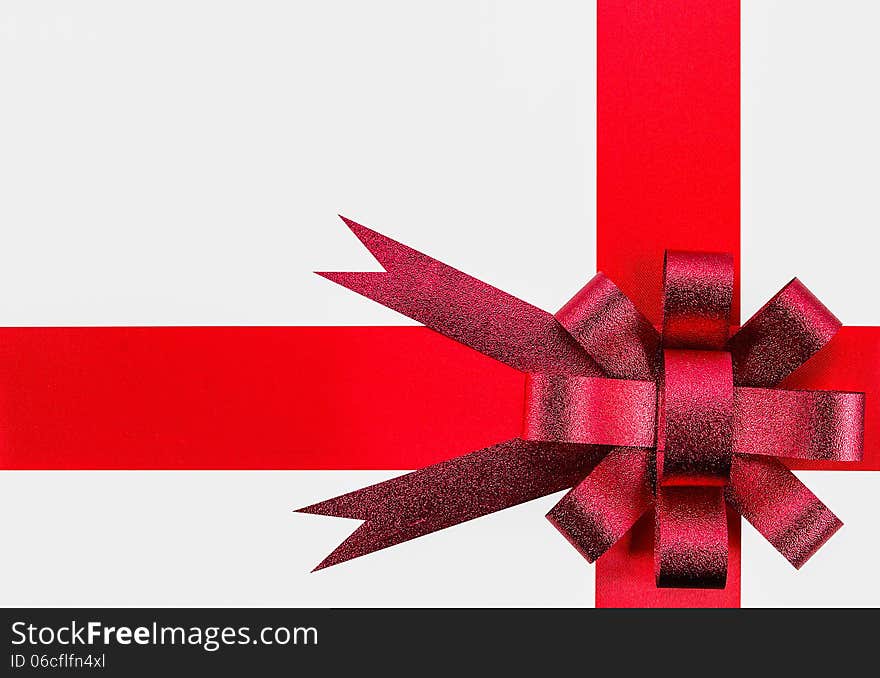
[183, 163]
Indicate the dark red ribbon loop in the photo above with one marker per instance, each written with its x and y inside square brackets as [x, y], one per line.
[781, 336]
[607, 503]
[690, 538]
[827, 425]
[697, 297]
[780, 507]
[612, 330]
[591, 410]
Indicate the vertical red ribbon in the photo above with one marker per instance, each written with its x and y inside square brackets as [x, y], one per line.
[668, 168]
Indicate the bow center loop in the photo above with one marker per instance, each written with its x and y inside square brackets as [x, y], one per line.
[695, 418]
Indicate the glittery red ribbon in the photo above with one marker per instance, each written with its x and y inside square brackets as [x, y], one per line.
[630, 417]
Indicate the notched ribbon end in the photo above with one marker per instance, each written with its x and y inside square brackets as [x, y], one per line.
[334, 508]
[384, 250]
[359, 543]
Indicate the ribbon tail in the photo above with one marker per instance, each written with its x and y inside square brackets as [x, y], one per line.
[464, 308]
[780, 507]
[455, 491]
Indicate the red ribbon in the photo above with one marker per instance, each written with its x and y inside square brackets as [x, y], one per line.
[682, 419]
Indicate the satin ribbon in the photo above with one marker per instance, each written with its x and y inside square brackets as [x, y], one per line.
[626, 416]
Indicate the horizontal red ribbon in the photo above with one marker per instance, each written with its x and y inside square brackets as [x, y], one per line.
[303, 398]
[247, 398]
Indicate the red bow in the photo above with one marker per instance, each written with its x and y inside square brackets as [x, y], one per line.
[627, 416]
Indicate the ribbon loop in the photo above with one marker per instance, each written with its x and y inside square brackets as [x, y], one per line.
[607, 503]
[590, 410]
[827, 425]
[611, 330]
[780, 507]
[690, 538]
[781, 336]
[697, 297]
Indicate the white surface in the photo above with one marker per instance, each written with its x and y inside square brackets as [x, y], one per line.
[810, 149]
[166, 538]
[810, 143]
[183, 163]
[842, 573]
